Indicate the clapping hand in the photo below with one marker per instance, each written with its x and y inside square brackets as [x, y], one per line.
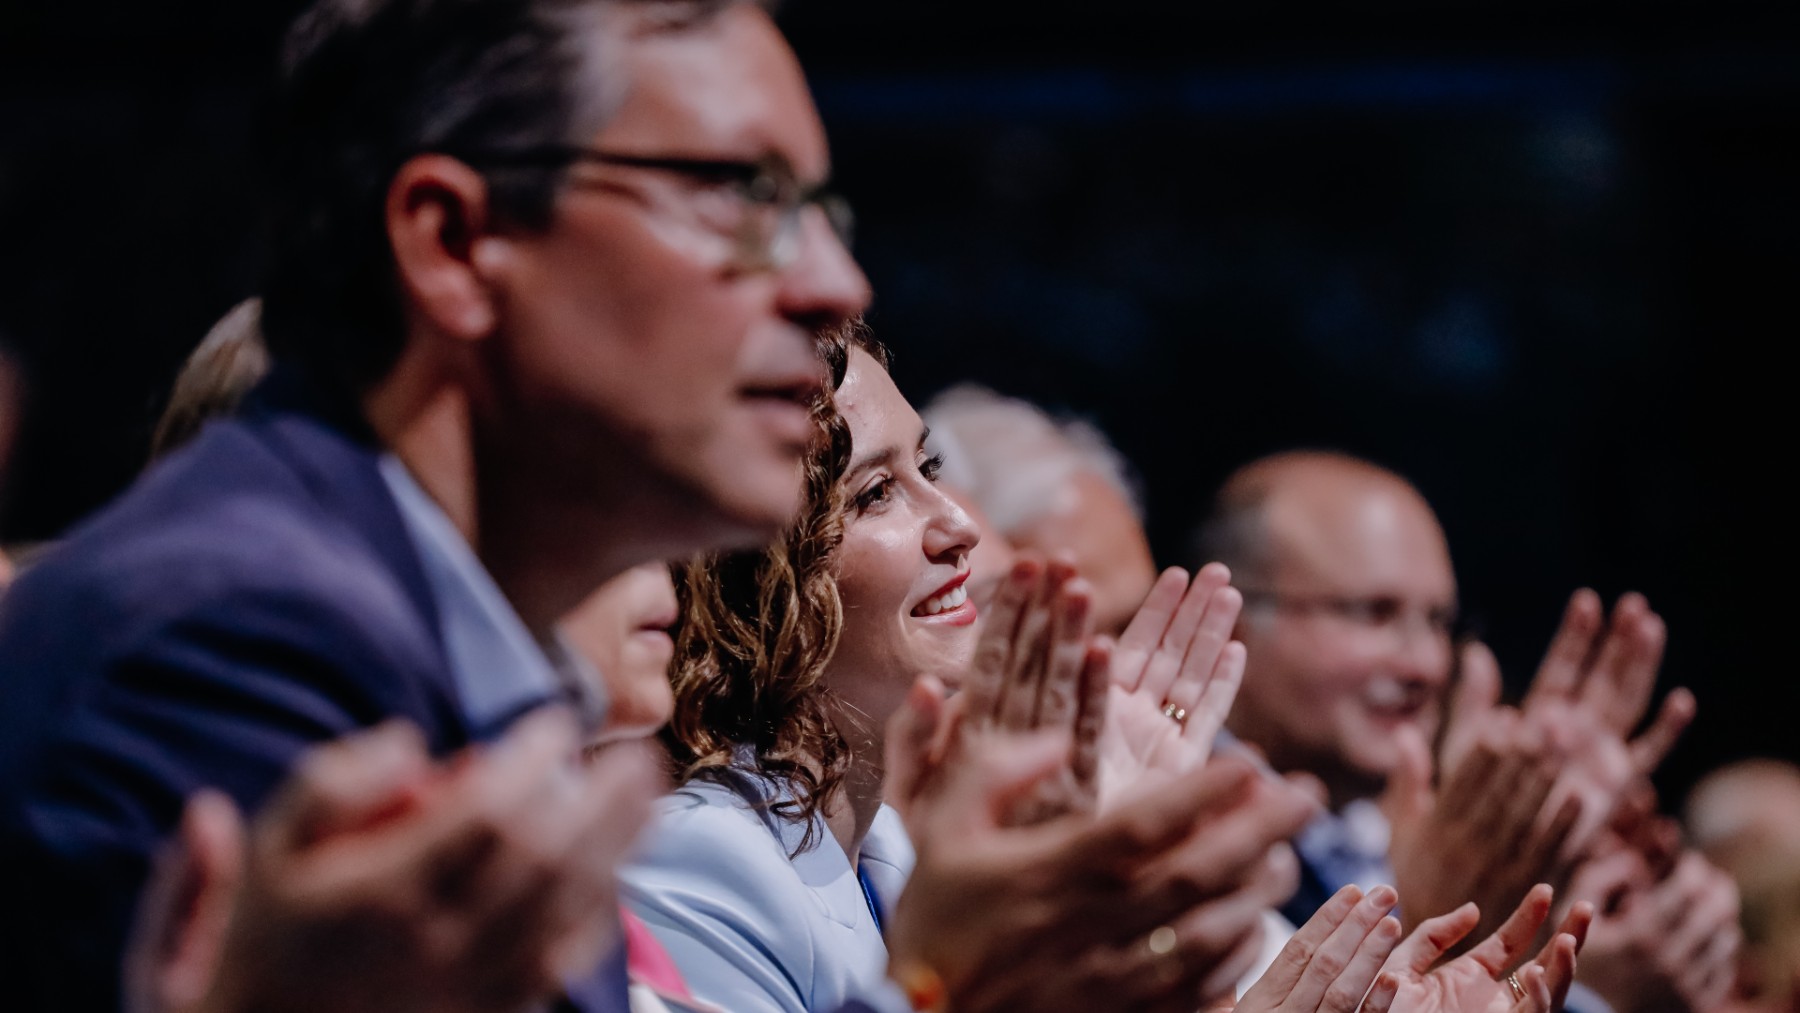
[1036, 670]
[378, 879]
[1175, 672]
[1416, 979]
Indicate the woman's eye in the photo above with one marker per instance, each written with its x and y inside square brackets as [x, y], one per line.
[874, 494]
[931, 467]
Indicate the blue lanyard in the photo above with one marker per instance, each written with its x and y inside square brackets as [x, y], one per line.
[874, 901]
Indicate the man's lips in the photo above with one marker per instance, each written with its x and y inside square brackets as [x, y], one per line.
[785, 407]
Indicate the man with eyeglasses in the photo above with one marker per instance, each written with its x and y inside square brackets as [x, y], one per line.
[1349, 620]
[540, 294]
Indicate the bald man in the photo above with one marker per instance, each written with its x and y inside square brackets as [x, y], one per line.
[1349, 602]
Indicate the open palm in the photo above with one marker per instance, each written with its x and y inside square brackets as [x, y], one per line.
[1413, 980]
[1176, 655]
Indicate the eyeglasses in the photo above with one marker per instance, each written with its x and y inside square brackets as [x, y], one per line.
[1384, 612]
[769, 202]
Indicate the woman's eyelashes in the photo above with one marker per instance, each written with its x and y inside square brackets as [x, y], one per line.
[874, 494]
[881, 488]
[930, 468]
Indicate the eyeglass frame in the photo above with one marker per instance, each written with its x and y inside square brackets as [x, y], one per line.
[758, 184]
[1362, 610]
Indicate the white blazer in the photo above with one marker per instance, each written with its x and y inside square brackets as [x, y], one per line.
[750, 929]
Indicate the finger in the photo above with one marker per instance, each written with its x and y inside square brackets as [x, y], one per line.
[1348, 992]
[1272, 989]
[986, 678]
[1506, 946]
[1208, 714]
[1467, 787]
[1712, 904]
[1637, 675]
[1061, 684]
[1218, 976]
[1150, 822]
[1535, 994]
[1165, 661]
[1629, 674]
[1649, 749]
[1146, 628]
[1090, 723]
[1319, 986]
[617, 803]
[1543, 850]
[1206, 648]
[1029, 656]
[1574, 926]
[523, 810]
[186, 909]
[1213, 933]
[906, 748]
[1560, 675]
[1715, 966]
[1558, 974]
[990, 775]
[343, 785]
[1381, 994]
[1407, 798]
[1219, 856]
[1477, 693]
[1432, 939]
[1670, 899]
[1604, 880]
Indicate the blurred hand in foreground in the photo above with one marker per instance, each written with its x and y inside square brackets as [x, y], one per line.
[1155, 904]
[376, 879]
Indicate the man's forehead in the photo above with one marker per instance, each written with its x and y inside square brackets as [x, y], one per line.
[1359, 535]
[729, 87]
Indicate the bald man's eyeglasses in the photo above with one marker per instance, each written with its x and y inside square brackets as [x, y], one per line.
[1375, 612]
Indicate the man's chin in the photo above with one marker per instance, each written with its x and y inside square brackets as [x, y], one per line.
[753, 511]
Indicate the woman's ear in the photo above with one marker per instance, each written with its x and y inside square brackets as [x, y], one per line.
[437, 215]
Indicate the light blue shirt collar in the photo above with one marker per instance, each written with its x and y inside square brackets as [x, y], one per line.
[499, 669]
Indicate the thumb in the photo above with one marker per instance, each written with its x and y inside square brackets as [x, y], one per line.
[186, 910]
[1408, 795]
[907, 752]
[1477, 692]
[988, 777]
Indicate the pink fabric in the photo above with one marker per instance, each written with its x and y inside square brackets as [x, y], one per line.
[648, 963]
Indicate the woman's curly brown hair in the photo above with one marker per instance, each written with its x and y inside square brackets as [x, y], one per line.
[757, 629]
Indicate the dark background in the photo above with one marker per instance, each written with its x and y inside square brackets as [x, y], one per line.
[1539, 256]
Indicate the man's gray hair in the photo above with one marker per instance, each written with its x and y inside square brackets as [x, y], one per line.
[1013, 457]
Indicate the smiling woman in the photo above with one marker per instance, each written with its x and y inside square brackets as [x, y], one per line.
[770, 875]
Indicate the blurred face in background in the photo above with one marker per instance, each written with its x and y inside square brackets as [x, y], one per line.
[1349, 632]
[690, 366]
[1094, 524]
[906, 557]
[623, 630]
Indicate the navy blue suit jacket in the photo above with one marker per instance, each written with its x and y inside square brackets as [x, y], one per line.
[252, 596]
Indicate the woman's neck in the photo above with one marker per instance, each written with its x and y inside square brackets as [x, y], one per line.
[852, 810]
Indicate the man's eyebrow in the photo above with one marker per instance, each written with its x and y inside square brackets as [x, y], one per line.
[924, 435]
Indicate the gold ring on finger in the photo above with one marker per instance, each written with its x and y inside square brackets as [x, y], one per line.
[1175, 713]
[1518, 990]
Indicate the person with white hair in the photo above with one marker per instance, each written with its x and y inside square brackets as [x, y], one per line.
[1049, 485]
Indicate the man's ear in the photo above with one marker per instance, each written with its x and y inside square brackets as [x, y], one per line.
[437, 211]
